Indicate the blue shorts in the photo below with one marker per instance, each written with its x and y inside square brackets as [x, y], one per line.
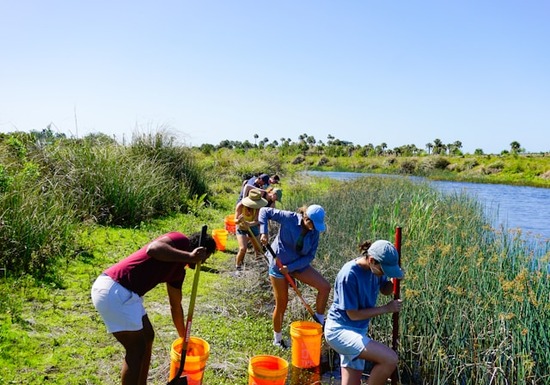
[348, 342]
[255, 231]
[275, 273]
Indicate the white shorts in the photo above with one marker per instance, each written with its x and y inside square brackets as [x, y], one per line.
[348, 342]
[120, 308]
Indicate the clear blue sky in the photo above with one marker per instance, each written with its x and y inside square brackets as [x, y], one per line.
[398, 72]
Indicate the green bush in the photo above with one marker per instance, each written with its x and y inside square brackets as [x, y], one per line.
[429, 164]
[407, 167]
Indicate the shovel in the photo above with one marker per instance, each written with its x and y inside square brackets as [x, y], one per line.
[293, 284]
[279, 265]
[178, 379]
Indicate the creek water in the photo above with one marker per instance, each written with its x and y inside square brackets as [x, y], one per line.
[512, 207]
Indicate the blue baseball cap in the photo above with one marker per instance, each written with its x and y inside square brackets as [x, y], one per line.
[317, 215]
[388, 257]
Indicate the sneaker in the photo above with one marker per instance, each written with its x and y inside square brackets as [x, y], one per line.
[282, 344]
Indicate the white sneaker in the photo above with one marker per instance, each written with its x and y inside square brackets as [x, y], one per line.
[282, 344]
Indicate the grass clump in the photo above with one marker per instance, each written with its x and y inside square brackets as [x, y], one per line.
[50, 184]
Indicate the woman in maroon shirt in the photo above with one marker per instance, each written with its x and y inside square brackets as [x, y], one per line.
[117, 295]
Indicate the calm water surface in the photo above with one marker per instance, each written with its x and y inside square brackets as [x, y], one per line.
[513, 207]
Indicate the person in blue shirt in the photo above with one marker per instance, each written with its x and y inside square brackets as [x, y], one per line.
[295, 246]
[261, 182]
[356, 291]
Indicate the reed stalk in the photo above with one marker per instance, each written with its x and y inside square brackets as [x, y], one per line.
[476, 298]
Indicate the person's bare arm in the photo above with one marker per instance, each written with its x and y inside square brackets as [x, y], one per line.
[163, 250]
[175, 297]
[361, 314]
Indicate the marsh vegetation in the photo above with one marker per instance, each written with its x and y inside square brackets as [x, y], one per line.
[477, 298]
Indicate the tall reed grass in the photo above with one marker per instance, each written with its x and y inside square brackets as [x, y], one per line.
[476, 306]
[48, 187]
[35, 228]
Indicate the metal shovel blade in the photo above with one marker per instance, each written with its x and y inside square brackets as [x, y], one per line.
[178, 381]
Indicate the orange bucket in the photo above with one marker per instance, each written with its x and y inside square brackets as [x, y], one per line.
[220, 236]
[198, 351]
[306, 344]
[267, 370]
[230, 223]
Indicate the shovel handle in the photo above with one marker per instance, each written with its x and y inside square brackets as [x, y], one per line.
[280, 265]
[396, 295]
[293, 284]
[177, 380]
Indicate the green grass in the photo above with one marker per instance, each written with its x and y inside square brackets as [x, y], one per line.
[54, 335]
[476, 303]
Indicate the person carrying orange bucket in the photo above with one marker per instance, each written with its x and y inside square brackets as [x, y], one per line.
[355, 294]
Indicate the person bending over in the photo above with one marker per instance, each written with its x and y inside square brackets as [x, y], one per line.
[118, 293]
[295, 246]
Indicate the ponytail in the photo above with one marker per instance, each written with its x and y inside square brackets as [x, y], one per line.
[364, 248]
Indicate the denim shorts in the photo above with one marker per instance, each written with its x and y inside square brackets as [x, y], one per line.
[120, 308]
[348, 342]
[275, 273]
[255, 231]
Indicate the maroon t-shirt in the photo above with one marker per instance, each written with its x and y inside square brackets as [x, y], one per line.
[140, 272]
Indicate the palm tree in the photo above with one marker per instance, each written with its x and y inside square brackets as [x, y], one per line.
[438, 147]
[429, 147]
[256, 136]
[456, 146]
[515, 147]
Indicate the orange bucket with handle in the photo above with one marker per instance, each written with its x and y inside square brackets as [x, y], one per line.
[198, 351]
[267, 370]
[306, 344]
[230, 223]
[220, 236]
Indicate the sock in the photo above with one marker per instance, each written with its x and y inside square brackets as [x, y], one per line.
[277, 336]
[320, 317]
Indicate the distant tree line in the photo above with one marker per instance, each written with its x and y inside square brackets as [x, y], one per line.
[334, 147]
[305, 144]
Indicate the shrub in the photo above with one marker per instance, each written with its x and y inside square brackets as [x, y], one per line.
[323, 161]
[407, 167]
[498, 165]
[470, 164]
[299, 159]
[434, 163]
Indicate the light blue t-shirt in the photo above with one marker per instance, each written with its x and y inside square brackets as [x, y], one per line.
[355, 288]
